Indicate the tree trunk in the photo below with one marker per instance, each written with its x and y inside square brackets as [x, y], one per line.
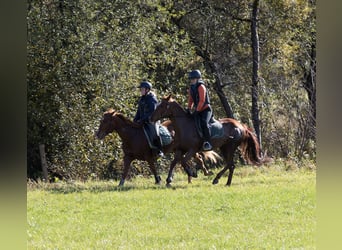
[255, 76]
[310, 87]
[223, 98]
[43, 162]
[218, 85]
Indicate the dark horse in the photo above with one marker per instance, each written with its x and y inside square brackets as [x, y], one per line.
[135, 145]
[235, 135]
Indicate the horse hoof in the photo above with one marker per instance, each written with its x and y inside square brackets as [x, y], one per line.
[209, 173]
[215, 181]
[158, 180]
[168, 185]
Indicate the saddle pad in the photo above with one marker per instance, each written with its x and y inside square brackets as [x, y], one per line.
[165, 135]
[216, 128]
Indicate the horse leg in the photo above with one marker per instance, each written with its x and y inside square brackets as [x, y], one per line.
[152, 166]
[127, 164]
[227, 151]
[186, 166]
[231, 167]
[200, 164]
[177, 157]
[219, 175]
[230, 176]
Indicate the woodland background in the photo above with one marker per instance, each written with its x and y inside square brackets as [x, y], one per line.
[258, 58]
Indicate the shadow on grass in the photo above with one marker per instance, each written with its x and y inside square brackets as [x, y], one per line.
[243, 176]
[93, 187]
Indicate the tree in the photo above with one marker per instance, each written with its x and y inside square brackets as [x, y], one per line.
[85, 56]
[255, 75]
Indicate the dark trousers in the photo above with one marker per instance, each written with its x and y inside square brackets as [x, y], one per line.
[204, 118]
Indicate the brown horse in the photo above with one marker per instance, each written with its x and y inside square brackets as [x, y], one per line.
[135, 145]
[235, 135]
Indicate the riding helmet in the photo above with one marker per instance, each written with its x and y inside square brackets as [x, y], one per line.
[145, 84]
[195, 74]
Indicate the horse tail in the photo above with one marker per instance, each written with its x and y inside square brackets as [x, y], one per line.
[250, 149]
[212, 156]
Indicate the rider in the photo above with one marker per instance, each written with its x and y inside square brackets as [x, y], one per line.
[146, 105]
[198, 99]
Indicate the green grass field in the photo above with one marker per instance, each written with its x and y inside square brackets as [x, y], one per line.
[266, 208]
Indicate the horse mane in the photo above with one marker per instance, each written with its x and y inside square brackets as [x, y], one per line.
[126, 120]
[170, 99]
[123, 118]
[110, 110]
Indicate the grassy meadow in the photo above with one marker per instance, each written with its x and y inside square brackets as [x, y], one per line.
[265, 208]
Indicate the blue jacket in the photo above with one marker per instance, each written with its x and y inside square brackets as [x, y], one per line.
[146, 105]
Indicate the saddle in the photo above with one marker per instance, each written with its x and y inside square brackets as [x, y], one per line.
[215, 128]
[157, 132]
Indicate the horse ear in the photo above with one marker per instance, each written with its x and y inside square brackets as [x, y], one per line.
[110, 111]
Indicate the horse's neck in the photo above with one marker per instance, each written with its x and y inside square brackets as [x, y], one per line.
[178, 111]
[123, 129]
[180, 119]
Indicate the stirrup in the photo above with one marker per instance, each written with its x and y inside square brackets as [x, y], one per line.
[160, 154]
[207, 146]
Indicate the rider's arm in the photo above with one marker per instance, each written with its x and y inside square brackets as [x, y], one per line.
[137, 115]
[201, 94]
[190, 101]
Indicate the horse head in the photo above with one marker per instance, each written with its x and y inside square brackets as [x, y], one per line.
[106, 124]
[165, 109]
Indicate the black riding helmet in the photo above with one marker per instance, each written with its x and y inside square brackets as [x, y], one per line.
[145, 84]
[195, 74]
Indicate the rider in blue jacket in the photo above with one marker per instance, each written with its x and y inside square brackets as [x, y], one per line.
[146, 105]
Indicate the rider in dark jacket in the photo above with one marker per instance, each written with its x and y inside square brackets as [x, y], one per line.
[146, 105]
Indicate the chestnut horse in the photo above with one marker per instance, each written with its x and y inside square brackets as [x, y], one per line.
[235, 135]
[135, 145]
